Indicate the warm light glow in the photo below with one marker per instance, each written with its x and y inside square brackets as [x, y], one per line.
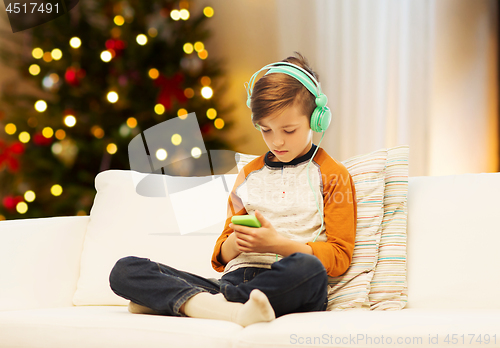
[211, 113]
[208, 11]
[24, 137]
[119, 20]
[131, 122]
[188, 48]
[34, 69]
[153, 73]
[41, 106]
[207, 92]
[47, 57]
[111, 148]
[112, 97]
[159, 109]
[97, 132]
[184, 14]
[176, 139]
[10, 128]
[219, 123]
[60, 134]
[196, 152]
[48, 132]
[205, 81]
[75, 42]
[199, 46]
[56, 148]
[37, 53]
[152, 32]
[106, 56]
[56, 190]
[56, 54]
[69, 120]
[29, 196]
[182, 113]
[189, 93]
[175, 15]
[21, 207]
[161, 154]
[203, 54]
[142, 39]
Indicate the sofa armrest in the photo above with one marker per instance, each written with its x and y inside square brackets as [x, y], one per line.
[40, 261]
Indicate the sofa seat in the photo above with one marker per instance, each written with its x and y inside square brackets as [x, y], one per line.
[114, 326]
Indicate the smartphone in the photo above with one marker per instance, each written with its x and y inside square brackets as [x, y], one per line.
[246, 220]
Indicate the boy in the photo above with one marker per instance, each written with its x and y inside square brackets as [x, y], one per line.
[283, 266]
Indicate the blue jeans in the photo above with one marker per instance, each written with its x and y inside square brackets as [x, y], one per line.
[297, 283]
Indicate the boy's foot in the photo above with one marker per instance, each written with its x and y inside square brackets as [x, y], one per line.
[257, 309]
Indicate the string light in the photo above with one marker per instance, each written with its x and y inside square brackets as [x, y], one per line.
[203, 54]
[47, 57]
[196, 152]
[97, 132]
[112, 97]
[10, 128]
[159, 109]
[131, 122]
[199, 46]
[208, 11]
[153, 73]
[161, 154]
[37, 53]
[48, 132]
[75, 42]
[60, 134]
[111, 148]
[189, 93]
[56, 190]
[40, 106]
[142, 39]
[176, 139]
[188, 48]
[34, 69]
[70, 120]
[182, 113]
[184, 14]
[106, 56]
[219, 123]
[21, 207]
[56, 54]
[119, 20]
[207, 92]
[29, 196]
[24, 137]
[211, 113]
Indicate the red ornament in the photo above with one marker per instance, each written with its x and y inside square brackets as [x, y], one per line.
[40, 139]
[116, 46]
[170, 88]
[10, 202]
[74, 75]
[7, 153]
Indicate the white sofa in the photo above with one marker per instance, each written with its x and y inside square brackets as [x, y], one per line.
[453, 286]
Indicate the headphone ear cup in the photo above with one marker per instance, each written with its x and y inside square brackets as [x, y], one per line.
[320, 119]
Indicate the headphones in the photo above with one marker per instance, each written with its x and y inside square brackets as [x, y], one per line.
[321, 116]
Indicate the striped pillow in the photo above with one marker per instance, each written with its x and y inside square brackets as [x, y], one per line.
[351, 289]
[388, 286]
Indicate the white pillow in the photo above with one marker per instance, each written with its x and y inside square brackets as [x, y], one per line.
[125, 223]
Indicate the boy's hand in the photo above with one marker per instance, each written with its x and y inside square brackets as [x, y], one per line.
[264, 239]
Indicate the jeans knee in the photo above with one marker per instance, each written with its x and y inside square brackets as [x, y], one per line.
[121, 270]
[309, 265]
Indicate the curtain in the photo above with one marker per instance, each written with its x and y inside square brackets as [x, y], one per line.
[421, 73]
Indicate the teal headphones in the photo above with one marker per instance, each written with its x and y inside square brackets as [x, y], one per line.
[321, 116]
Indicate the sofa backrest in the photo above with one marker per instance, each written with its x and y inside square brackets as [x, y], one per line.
[453, 235]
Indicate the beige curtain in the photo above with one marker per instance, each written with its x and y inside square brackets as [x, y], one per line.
[422, 73]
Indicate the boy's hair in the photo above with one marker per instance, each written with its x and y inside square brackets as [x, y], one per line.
[273, 93]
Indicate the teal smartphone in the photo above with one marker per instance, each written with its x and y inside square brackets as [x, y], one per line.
[246, 220]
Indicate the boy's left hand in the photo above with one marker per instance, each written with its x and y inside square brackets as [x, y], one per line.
[257, 240]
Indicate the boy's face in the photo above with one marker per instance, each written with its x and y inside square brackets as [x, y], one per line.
[288, 135]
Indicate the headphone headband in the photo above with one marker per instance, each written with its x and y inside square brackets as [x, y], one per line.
[321, 116]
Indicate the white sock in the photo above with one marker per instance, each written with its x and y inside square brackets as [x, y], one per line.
[205, 305]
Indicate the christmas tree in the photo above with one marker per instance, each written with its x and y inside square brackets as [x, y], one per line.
[104, 73]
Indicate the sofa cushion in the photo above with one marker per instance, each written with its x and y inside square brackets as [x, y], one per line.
[453, 239]
[110, 327]
[351, 289]
[126, 223]
[388, 287]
